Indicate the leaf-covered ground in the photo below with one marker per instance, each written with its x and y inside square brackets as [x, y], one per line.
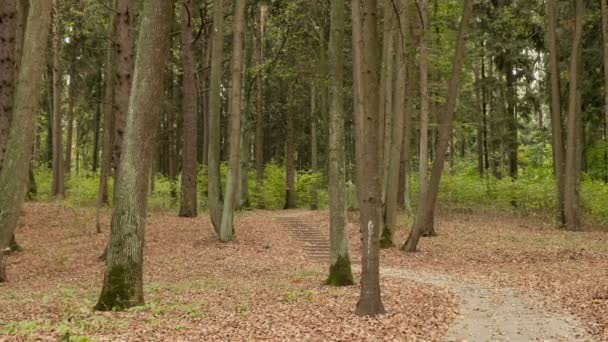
[569, 269]
[262, 287]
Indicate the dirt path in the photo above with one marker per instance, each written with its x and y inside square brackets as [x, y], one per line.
[487, 313]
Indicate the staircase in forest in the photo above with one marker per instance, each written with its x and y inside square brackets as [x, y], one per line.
[312, 241]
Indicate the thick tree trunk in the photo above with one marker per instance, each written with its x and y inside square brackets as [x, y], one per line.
[395, 131]
[340, 273]
[188, 201]
[236, 93]
[290, 167]
[14, 175]
[259, 122]
[572, 169]
[58, 185]
[556, 110]
[215, 80]
[369, 166]
[123, 283]
[427, 201]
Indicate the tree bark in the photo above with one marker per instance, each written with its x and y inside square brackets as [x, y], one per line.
[8, 68]
[572, 170]
[123, 283]
[396, 130]
[70, 128]
[259, 123]
[236, 93]
[556, 108]
[369, 166]
[215, 80]
[14, 176]
[427, 201]
[58, 185]
[340, 273]
[424, 97]
[314, 150]
[188, 201]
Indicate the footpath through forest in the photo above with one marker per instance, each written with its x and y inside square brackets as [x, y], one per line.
[487, 312]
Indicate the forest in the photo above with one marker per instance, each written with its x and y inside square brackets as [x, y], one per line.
[304, 170]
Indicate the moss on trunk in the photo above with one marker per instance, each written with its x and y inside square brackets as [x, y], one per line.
[340, 273]
[386, 240]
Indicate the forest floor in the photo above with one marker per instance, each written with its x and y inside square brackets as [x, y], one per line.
[265, 286]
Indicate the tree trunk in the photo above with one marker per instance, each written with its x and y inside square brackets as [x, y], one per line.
[188, 201]
[424, 97]
[512, 142]
[14, 175]
[236, 93]
[58, 188]
[426, 207]
[96, 136]
[340, 273]
[395, 132]
[368, 163]
[215, 80]
[259, 123]
[314, 150]
[8, 68]
[124, 20]
[70, 130]
[290, 168]
[123, 283]
[556, 110]
[572, 171]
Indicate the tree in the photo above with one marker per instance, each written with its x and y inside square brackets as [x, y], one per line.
[604, 9]
[236, 93]
[426, 202]
[8, 68]
[424, 97]
[123, 283]
[395, 132]
[366, 68]
[260, 108]
[14, 175]
[215, 80]
[58, 186]
[340, 273]
[556, 107]
[188, 202]
[573, 141]
[290, 167]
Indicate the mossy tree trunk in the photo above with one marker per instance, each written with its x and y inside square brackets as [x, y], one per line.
[426, 203]
[215, 80]
[340, 273]
[368, 160]
[188, 201]
[123, 283]
[236, 93]
[14, 176]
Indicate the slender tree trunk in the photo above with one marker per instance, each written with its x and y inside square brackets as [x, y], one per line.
[395, 131]
[188, 201]
[604, 7]
[512, 142]
[123, 283]
[369, 166]
[236, 93]
[58, 188]
[259, 124]
[572, 171]
[214, 187]
[426, 208]
[314, 150]
[424, 97]
[340, 273]
[290, 168]
[14, 175]
[70, 130]
[556, 110]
